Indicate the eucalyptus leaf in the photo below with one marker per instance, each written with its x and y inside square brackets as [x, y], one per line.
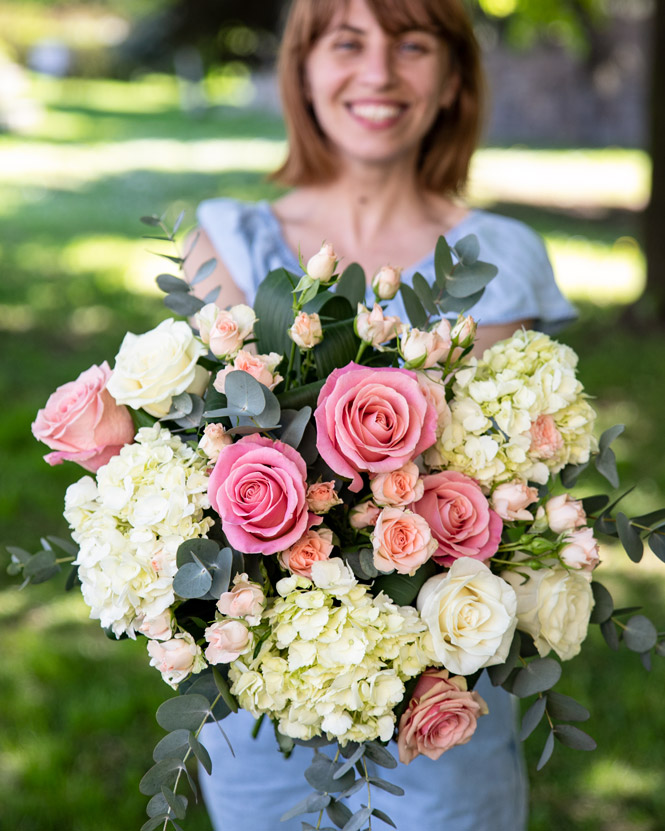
[192, 580]
[603, 603]
[320, 775]
[185, 305]
[204, 684]
[358, 820]
[181, 405]
[660, 649]
[657, 545]
[170, 283]
[177, 809]
[592, 504]
[564, 708]
[443, 261]
[159, 806]
[499, 672]
[161, 773]
[571, 473]
[424, 292]
[652, 519]
[212, 295]
[380, 755]
[532, 717]
[204, 549]
[244, 394]
[606, 465]
[609, 632]
[383, 817]
[352, 285]
[294, 424]
[609, 436]
[183, 711]
[173, 746]
[203, 271]
[467, 249]
[202, 755]
[573, 737]
[155, 822]
[645, 657]
[224, 690]
[153, 221]
[312, 803]
[192, 419]
[640, 635]
[65, 545]
[366, 557]
[414, 308]
[547, 751]
[357, 754]
[458, 305]
[538, 675]
[41, 567]
[384, 785]
[630, 538]
[221, 568]
[467, 280]
[338, 813]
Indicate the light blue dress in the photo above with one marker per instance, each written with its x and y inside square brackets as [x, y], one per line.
[480, 786]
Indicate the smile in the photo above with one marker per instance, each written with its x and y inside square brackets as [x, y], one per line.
[376, 114]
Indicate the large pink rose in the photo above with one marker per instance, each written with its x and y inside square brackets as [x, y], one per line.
[258, 489]
[460, 517]
[373, 420]
[82, 422]
[441, 714]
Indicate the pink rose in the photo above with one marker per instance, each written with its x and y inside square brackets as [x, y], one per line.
[246, 599]
[322, 265]
[227, 640]
[374, 327]
[260, 367]
[258, 489]
[225, 330]
[176, 658]
[460, 517]
[321, 497]
[306, 331]
[399, 487]
[546, 440]
[581, 551]
[422, 350]
[431, 383]
[511, 499]
[386, 282]
[372, 420]
[564, 513]
[312, 547]
[158, 628]
[214, 440]
[363, 515]
[441, 714]
[402, 541]
[83, 423]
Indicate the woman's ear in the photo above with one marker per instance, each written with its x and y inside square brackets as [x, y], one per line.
[450, 91]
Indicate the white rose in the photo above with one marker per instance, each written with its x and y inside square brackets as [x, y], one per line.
[386, 282]
[159, 628]
[214, 440]
[470, 614]
[333, 574]
[322, 265]
[151, 368]
[231, 328]
[553, 606]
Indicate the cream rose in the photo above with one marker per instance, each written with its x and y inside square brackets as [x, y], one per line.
[245, 599]
[306, 331]
[471, 616]
[151, 368]
[214, 440]
[229, 329]
[176, 658]
[564, 513]
[386, 282]
[322, 265]
[374, 327]
[227, 641]
[553, 606]
[510, 500]
[581, 550]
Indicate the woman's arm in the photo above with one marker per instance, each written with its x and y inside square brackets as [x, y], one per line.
[487, 336]
[230, 294]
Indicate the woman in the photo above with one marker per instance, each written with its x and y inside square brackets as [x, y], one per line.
[382, 103]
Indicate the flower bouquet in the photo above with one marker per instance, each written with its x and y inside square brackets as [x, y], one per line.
[335, 519]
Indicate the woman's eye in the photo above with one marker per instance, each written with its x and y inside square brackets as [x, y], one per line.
[412, 47]
[346, 46]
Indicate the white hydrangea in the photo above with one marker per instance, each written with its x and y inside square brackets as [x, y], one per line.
[499, 401]
[335, 660]
[129, 524]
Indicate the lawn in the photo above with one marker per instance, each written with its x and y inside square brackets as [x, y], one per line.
[77, 718]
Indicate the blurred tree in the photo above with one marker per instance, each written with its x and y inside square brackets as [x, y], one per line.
[579, 24]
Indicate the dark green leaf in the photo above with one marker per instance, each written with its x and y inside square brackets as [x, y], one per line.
[538, 675]
[202, 755]
[176, 807]
[630, 538]
[640, 635]
[547, 751]
[203, 271]
[424, 292]
[386, 786]
[173, 746]
[414, 308]
[306, 395]
[603, 606]
[185, 305]
[657, 545]
[192, 580]
[609, 632]
[273, 307]
[153, 221]
[225, 690]
[531, 719]
[573, 737]
[162, 773]
[312, 803]
[565, 708]
[338, 813]
[366, 557]
[443, 261]
[401, 588]
[337, 349]
[499, 672]
[468, 249]
[379, 754]
[571, 473]
[383, 817]
[352, 285]
[653, 518]
[358, 820]
[184, 711]
[468, 280]
[593, 504]
[169, 283]
[72, 578]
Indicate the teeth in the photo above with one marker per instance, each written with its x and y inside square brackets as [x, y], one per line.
[376, 112]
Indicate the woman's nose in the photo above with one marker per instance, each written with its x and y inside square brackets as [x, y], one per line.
[378, 70]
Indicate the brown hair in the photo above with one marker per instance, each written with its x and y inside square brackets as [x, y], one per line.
[446, 150]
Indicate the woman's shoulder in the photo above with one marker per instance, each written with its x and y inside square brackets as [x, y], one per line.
[222, 212]
[497, 232]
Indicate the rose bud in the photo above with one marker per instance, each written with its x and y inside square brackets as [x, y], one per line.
[374, 327]
[306, 331]
[322, 265]
[386, 282]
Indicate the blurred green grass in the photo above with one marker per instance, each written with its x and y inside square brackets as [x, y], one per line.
[77, 717]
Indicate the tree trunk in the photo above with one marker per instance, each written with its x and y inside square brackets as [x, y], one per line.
[654, 219]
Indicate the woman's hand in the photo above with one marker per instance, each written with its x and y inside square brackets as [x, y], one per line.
[230, 294]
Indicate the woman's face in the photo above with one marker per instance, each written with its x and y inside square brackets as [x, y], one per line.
[376, 95]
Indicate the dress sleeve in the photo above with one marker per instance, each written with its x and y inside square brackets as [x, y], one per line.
[228, 224]
[524, 287]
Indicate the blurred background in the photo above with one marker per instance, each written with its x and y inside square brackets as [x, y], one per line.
[111, 109]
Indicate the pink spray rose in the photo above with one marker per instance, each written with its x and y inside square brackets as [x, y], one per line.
[546, 440]
[460, 517]
[246, 599]
[441, 714]
[258, 489]
[227, 640]
[312, 547]
[402, 541]
[398, 488]
[510, 500]
[372, 420]
[82, 422]
[564, 513]
[581, 550]
[260, 367]
[364, 515]
[322, 496]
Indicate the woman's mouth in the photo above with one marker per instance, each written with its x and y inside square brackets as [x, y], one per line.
[376, 115]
